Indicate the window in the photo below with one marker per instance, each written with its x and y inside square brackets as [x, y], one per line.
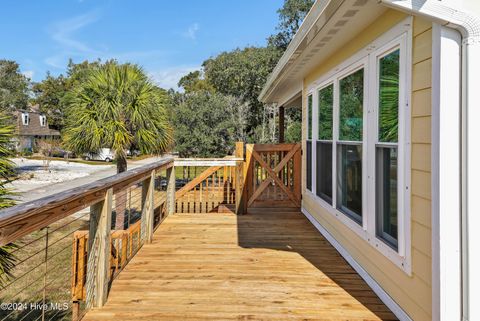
[386, 148]
[324, 143]
[361, 154]
[349, 146]
[43, 120]
[309, 142]
[25, 119]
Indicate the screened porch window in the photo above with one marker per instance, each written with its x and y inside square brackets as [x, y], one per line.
[349, 146]
[324, 144]
[386, 149]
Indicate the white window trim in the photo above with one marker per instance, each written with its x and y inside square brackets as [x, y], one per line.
[25, 119]
[400, 36]
[43, 120]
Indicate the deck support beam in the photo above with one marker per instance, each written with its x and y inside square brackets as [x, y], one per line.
[99, 251]
[239, 179]
[281, 124]
[147, 208]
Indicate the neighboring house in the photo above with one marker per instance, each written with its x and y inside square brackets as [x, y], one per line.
[390, 93]
[32, 126]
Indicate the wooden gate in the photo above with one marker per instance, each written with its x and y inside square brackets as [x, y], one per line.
[273, 175]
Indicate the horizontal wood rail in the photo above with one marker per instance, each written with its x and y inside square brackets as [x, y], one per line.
[197, 162]
[20, 220]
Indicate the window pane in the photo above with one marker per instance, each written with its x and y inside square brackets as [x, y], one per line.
[389, 70]
[351, 107]
[349, 182]
[325, 115]
[309, 165]
[324, 171]
[309, 121]
[387, 205]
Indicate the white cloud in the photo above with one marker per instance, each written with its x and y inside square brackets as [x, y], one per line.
[191, 32]
[65, 34]
[63, 31]
[168, 78]
[29, 74]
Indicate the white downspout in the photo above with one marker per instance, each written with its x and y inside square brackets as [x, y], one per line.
[469, 26]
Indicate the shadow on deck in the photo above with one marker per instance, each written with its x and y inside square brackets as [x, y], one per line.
[266, 265]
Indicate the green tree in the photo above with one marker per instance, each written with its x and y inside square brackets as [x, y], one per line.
[207, 125]
[117, 107]
[7, 258]
[194, 81]
[49, 95]
[242, 73]
[14, 86]
[291, 16]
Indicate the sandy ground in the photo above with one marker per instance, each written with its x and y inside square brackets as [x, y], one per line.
[35, 182]
[33, 174]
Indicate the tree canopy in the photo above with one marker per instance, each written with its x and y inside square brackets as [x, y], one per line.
[291, 16]
[14, 86]
[207, 124]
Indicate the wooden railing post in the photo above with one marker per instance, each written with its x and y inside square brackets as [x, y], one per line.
[99, 247]
[170, 202]
[239, 181]
[147, 208]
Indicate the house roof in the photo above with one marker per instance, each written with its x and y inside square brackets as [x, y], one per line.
[34, 128]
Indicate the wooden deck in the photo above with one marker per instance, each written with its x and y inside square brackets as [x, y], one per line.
[266, 265]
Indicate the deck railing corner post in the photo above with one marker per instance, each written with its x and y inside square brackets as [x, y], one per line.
[170, 202]
[99, 250]
[148, 186]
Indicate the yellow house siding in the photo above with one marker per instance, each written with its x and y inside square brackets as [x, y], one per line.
[412, 293]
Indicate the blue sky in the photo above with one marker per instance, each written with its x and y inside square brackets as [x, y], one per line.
[168, 38]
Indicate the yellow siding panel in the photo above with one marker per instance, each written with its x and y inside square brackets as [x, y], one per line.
[422, 47]
[421, 184]
[421, 239]
[421, 157]
[422, 74]
[422, 265]
[421, 130]
[421, 25]
[422, 102]
[423, 210]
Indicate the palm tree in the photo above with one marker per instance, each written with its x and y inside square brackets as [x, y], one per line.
[7, 258]
[117, 107]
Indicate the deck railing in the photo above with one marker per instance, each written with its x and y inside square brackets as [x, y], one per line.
[65, 250]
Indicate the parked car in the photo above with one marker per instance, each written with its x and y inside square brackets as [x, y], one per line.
[59, 152]
[103, 154]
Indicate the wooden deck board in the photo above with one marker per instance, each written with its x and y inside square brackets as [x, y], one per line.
[267, 265]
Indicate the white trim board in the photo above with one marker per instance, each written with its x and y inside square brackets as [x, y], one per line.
[382, 294]
[446, 174]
